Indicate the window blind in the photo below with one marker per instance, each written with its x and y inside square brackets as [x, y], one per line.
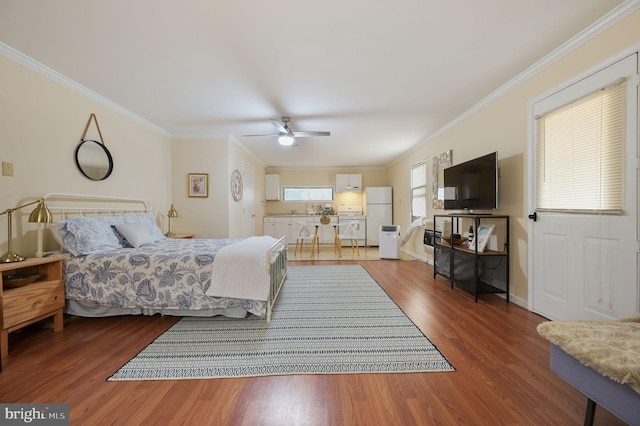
[580, 151]
[418, 190]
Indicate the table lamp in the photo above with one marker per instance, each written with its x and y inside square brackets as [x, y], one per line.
[40, 214]
[171, 214]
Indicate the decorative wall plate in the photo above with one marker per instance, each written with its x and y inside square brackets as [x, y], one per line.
[236, 185]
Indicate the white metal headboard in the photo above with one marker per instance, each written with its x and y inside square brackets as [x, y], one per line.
[64, 206]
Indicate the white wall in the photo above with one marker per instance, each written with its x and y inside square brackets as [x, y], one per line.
[41, 123]
[205, 217]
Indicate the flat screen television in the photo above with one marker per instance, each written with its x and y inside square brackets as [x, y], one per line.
[472, 185]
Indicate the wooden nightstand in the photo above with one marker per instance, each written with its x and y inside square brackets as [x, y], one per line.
[24, 305]
[183, 236]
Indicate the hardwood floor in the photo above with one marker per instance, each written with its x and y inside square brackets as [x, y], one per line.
[502, 371]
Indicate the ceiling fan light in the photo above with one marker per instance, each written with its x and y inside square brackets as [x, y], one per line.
[286, 140]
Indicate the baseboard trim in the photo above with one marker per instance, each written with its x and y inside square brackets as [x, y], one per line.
[515, 300]
[417, 256]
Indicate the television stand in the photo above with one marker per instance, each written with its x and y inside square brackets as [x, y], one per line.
[475, 271]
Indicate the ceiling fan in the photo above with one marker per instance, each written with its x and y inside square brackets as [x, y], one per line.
[286, 136]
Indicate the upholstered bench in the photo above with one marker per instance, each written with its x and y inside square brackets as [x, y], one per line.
[602, 360]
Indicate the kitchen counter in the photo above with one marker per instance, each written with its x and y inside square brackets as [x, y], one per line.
[298, 215]
[277, 225]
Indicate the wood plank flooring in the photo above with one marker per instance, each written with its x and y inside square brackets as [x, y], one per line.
[502, 371]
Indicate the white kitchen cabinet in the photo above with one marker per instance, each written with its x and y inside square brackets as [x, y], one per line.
[278, 227]
[272, 190]
[269, 227]
[283, 228]
[348, 182]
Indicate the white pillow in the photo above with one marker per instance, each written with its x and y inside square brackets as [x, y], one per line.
[55, 231]
[133, 234]
[145, 219]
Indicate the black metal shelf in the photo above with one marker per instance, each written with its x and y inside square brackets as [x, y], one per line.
[478, 272]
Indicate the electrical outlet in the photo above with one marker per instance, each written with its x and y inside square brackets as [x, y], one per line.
[7, 168]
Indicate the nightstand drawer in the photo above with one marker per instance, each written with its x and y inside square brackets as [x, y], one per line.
[22, 304]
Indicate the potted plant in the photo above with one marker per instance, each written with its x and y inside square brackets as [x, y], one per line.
[325, 212]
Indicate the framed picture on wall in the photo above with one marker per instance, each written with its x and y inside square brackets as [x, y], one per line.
[198, 185]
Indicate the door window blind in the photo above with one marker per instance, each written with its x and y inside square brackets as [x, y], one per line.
[580, 151]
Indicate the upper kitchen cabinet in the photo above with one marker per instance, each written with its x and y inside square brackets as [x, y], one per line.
[348, 182]
[272, 191]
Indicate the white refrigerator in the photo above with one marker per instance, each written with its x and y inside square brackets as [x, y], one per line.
[378, 207]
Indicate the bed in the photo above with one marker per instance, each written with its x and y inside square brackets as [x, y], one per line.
[600, 359]
[118, 262]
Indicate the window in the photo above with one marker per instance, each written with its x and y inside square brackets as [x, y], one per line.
[580, 154]
[418, 190]
[307, 193]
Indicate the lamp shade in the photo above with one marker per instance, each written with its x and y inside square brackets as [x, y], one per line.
[41, 214]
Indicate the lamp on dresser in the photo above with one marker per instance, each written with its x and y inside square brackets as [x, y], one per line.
[40, 214]
[171, 214]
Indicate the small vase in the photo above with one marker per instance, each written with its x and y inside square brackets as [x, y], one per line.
[325, 220]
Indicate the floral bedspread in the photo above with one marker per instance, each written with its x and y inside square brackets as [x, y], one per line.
[171, 274]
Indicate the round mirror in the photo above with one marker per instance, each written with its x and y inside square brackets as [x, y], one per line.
[94, 160]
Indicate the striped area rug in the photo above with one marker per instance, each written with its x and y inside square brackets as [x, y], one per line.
[328, 319]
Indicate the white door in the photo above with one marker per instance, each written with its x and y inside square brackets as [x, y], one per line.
[248, 201]
[585, 266]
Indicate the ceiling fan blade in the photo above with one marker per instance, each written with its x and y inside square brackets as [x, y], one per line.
[309, 134]
[283, 130]
[279, 126]
[267, 134]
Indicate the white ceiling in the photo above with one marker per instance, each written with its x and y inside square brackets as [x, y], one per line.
[381, 76]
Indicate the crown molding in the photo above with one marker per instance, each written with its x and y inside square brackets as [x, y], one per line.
[236, 142]
[605, 22]
[32, 64]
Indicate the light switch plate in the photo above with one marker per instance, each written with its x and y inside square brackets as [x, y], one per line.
[7, 168]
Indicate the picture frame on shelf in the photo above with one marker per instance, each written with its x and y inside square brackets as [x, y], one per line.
[198, 185]
[481, 237]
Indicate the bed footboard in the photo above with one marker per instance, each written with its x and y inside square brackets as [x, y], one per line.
[276, 261]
